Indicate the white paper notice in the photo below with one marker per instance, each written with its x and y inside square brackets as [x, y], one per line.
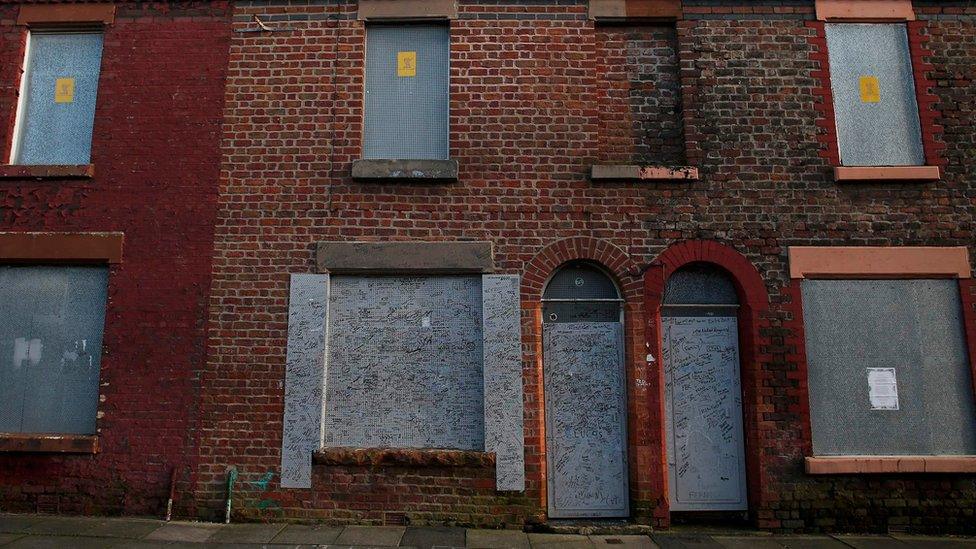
[883, 388]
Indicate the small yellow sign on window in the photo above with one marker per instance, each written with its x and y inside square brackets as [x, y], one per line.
[406, 63]
[870, 89]
[64, 90]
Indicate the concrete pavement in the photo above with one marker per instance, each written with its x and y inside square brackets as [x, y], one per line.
[39, 531]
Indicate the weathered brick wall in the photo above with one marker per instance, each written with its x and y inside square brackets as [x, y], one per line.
[155, 150]
[639, 95]
[527, 81]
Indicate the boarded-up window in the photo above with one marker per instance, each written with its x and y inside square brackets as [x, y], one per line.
[50, 348]
[874, 95]
[406, 92]
[57, 105]
[405, 362]
[888, 368]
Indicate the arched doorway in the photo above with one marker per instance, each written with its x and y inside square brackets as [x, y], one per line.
[703, 396]
[585, 394]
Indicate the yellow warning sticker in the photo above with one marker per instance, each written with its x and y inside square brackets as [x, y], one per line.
[870, 90]
[64, 90]
[406, 63]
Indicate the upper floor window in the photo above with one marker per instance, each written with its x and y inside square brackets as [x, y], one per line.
[873, 85]
[57, 98]
[407, 92]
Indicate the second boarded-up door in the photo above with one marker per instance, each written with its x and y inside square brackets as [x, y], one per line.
[703, 398]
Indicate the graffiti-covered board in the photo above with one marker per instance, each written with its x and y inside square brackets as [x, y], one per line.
[706, 461]
[586, 415]
[405, 362]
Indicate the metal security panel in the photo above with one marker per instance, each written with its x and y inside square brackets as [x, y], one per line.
[874, 95]
[407, 94]
[51, 348]
[60, 86]
[503, 380]
[304, 377]
[887, 367]
[706, 455]
[586, 414]
[405, 362]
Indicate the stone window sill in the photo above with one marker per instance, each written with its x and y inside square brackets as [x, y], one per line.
[844, 174]
[841, 465]
[403, 457]
[424, 170]
[48, 443]
[629, 172]
[14, 171]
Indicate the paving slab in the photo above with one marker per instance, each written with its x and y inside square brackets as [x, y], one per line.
[61, 542]
[62, 526]
[314, 534]
[810, 542]
[501, 539]
[124, 528]
[17, 524]
[623, 542]
[375, 536]
[747, 542]
[246, 533]
[685, 541]
[560, 541]
[429, 538]
[7, 538]
[145, 544]
[871, 542]
[193, 532]
[935, 542]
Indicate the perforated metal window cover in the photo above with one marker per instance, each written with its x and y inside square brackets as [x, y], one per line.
[405, 362]
[58, 94]
[873, 85]
[406, 116]
[700, 284]
[50, 348]
[913, 326]
[580, 282]
[580, 293]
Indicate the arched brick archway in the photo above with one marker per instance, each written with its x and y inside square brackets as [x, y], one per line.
[614, 260]
[753, 340]
[627, 274]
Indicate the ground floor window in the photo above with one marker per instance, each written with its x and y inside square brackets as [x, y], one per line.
[405, 362]
[409, 357]
[887, 367]
[50, 347]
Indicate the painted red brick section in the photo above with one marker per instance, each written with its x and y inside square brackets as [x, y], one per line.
[155, 148]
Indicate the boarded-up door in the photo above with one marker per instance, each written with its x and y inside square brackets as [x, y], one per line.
[585, 419]
[706, 457]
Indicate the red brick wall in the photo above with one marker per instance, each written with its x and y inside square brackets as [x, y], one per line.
[155, 150]
[639, 95]
[526, 86]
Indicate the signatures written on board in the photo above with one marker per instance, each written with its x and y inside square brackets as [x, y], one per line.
[585, 414]
[700, 358]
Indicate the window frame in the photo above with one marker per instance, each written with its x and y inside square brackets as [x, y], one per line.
[439, 23]
[841, 130]
[23, 90]
[890, 11]
[95, 329]
[854, 262]
[54, 248]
